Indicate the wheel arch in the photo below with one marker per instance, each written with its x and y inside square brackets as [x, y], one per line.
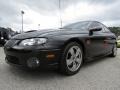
[75, 40]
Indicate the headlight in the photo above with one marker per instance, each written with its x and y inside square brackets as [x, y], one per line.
[33, 41]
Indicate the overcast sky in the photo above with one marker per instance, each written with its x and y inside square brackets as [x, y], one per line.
[46, 12]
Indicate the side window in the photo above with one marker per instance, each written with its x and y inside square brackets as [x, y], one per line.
[106, 29]
[83, 25]
[94, 25]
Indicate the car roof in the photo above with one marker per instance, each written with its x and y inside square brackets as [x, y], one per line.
[90, 21]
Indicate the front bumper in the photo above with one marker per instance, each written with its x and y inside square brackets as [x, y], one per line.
[20, 57]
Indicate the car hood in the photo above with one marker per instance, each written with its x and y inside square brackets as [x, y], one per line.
[46, 33]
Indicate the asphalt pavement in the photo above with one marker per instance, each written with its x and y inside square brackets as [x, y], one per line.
[103, 74]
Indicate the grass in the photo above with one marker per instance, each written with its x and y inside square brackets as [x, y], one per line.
[118, 43]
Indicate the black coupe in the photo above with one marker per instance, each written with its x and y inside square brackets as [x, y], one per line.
[67, 47]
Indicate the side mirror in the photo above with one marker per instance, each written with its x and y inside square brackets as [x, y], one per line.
[91, 30]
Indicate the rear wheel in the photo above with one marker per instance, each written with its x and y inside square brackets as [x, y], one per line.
[71, 59]
[114, 51]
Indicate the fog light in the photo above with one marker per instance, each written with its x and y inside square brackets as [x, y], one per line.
[33, 62]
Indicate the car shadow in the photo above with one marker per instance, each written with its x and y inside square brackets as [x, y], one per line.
[47, 74]
[34, 75]
[96, 61]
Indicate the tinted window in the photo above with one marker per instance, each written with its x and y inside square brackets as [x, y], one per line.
[79, 25]
[95, 24]
[106, 29]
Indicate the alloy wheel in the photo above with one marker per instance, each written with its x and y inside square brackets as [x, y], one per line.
[74, 58]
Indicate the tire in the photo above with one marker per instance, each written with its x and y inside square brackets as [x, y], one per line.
[114, 51]
[72, 55]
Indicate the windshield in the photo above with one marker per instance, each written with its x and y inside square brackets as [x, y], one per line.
[78, 25]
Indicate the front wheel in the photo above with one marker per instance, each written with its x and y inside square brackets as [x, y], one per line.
[72, 59]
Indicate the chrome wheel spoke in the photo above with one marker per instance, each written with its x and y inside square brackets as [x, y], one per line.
[78, 60]
[72, 51]
[69, 62]
[74, 66]
[77, 52]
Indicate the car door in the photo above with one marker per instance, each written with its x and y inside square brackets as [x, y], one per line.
[96, 45]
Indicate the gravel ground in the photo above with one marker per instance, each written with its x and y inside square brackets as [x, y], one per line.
[103, 74]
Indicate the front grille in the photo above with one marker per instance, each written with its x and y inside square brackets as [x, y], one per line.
[12, 59]
[17, 51]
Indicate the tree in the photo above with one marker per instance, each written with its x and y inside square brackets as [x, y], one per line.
[115, 30]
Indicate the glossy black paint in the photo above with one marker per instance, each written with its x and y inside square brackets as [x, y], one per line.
[97, 44]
